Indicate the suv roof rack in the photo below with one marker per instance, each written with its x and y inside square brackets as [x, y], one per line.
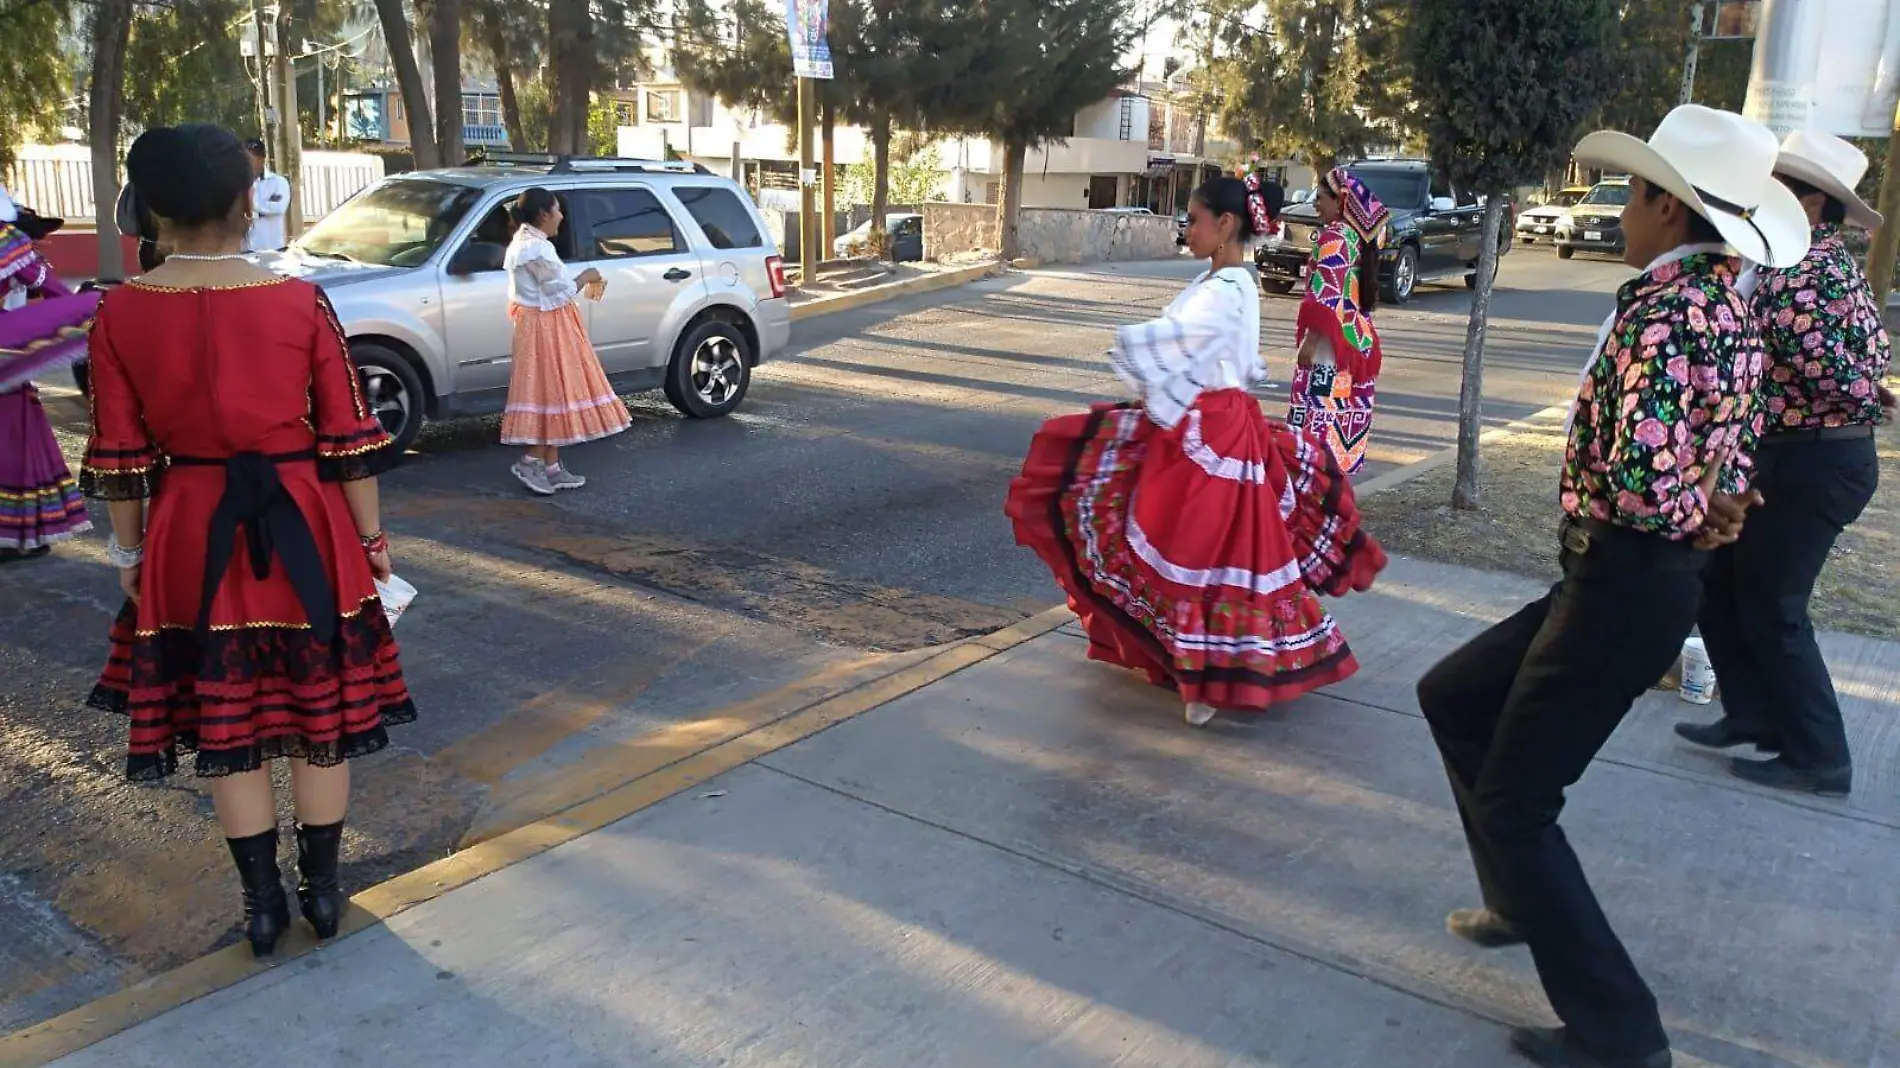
[564, 164]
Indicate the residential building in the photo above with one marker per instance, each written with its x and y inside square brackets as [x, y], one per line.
[1103, 164]
[375, 114]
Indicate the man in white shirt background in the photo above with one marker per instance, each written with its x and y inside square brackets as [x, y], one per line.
[270, 200]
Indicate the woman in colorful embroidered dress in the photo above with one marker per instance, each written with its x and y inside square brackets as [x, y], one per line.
[42, 328]
[1191, 533]
[252, 629]
[557, 393]
[1339, 357]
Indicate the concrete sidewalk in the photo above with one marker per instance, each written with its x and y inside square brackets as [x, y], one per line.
[1034, 862]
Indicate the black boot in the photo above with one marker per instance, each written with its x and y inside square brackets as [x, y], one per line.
[318, 892]
[266, 908]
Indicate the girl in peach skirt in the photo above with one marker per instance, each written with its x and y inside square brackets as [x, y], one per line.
[557, 395]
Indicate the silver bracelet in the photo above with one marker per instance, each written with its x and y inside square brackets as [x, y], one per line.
[121, 557]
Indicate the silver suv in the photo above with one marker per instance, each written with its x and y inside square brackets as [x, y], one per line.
[695, 293]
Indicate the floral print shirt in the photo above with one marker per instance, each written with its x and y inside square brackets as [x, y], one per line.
[1672, 386]
[1827, 345]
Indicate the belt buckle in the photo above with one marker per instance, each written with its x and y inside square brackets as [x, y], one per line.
[1575, 539]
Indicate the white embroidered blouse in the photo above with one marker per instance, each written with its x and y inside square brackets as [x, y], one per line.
[536, 276]
[1208, 338]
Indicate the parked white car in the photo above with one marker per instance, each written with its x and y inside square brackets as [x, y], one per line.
[695, 294]
[1540, 222]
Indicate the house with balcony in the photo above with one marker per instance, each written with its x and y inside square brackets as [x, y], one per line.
[375, 114]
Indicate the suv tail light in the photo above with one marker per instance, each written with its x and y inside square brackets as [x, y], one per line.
[775, 270]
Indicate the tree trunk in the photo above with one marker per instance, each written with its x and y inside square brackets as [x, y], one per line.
[497, 43]
[445, 55]
[880, 171]
[1009, 205]
[570, 73]
[111, 32]
[1464, 491]
[415, 98]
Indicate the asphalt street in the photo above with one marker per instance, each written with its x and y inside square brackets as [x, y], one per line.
[849, 516]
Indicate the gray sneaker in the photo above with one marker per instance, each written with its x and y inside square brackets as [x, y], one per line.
[562, 479]
[534, 475]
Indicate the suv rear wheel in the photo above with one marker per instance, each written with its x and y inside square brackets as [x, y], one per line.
[711, 370]
[392, 389]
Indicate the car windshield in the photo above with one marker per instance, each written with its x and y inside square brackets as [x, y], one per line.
[399, 223]
[1614, 196]
[1395, 188]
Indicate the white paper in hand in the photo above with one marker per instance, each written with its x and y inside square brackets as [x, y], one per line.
[396, 596]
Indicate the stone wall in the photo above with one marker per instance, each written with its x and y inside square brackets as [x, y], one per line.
[1050, 235]
[1072, 235]
[953, 228]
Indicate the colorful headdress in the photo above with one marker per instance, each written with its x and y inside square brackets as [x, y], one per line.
[1362, 210]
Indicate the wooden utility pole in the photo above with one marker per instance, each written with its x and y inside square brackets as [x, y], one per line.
[289, 129]
[1880, 255]
[807, 177]
[830, 228]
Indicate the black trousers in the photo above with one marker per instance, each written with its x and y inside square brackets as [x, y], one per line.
[1519, 713]
[1755, 609]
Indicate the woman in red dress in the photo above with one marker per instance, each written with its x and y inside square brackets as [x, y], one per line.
[252, 630]
[1192, 534]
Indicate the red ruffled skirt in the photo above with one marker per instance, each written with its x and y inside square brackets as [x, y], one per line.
[258, 683]
[1197, 555]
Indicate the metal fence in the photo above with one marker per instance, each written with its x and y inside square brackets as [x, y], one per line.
[57, 180]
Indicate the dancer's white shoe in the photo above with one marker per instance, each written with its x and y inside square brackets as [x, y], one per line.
[1198, 714]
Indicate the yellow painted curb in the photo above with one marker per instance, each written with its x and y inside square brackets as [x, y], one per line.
[101, 1019]
[879, 294]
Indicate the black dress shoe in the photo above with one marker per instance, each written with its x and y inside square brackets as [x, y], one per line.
[1778, 773]
[1724, 734]
[1484, 928]
[1553, 1047]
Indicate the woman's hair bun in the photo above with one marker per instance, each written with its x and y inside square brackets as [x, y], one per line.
[189, 174]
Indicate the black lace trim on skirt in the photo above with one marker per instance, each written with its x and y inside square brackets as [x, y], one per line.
[217, 763]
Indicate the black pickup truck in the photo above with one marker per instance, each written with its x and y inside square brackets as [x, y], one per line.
[1435, 233]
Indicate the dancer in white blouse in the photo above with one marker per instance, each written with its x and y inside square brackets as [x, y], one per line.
[1193, 534]
[557, 394]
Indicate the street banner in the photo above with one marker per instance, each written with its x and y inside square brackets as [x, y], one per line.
[808, 24]
[1831, 66]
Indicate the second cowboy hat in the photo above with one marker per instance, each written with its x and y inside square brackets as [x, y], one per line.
[1722, 166]
[1833, 166]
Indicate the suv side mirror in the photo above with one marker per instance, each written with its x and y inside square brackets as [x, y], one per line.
[1442, 204]
[477, 257]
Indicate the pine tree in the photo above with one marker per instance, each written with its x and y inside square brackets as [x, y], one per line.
[1038, 63]
[1312, 80]
[1506, 87]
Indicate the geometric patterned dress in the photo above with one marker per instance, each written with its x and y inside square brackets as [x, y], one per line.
[1333, 398]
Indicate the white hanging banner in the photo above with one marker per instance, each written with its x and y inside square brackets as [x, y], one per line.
[1831, 66]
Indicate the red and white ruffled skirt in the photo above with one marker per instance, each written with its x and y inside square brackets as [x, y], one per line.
[1197, 555]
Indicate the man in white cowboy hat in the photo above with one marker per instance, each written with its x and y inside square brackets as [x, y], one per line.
[1655, 475]
[1816, 468]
